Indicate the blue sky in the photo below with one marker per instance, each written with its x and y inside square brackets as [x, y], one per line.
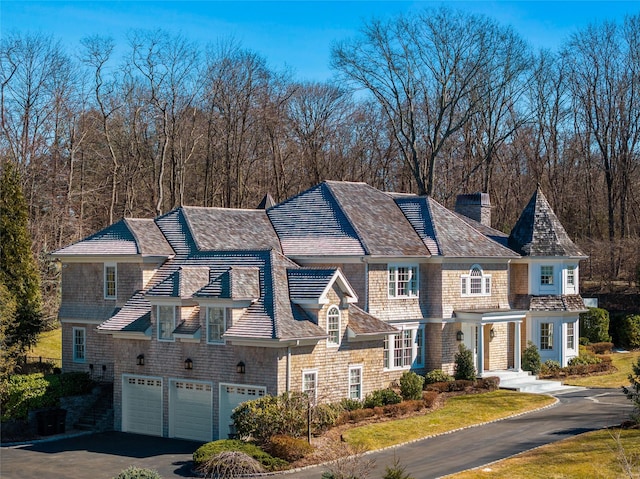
[294, 34]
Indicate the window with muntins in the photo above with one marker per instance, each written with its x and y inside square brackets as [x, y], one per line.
[166, 322]
[355, 382]
[110, 281]
[79, 344]
[403, 281]
[310, 384]
[333, 326]
[571, 340]
[401, 350]
[546, 275]
[546, 336]
[476, 283]
[216, 325]
[571, 276]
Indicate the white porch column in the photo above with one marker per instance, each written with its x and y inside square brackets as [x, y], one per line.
[480, 329]
[517, 350]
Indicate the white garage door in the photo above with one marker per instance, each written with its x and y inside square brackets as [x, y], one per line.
[142, 405]
[231, 396]
[190, 410]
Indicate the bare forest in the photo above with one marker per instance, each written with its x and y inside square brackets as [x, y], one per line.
[441, 103]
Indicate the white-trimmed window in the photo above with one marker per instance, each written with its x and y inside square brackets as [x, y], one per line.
[355, 382]
[333, 326]
[546, 275]
[310, 384]
[571, 336]
[403, 349]
[476, 283]
[571, 280]
[216, 324]
[166, 316]
[110, 281]
[403, 281]
[79, 345]
[546, 336]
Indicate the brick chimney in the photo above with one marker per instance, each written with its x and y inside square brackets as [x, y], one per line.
[476, 206]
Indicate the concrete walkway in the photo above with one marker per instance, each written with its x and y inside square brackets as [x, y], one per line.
[104, 455]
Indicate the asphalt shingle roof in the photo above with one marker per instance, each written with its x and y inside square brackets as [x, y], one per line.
[538, 232]
[308, 283]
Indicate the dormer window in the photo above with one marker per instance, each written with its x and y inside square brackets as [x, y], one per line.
[166, 320]
[476, 283]
[333, 326]
[216, 325]
[403, 281]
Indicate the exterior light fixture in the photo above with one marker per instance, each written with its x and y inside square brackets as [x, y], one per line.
[140, 360]
[188, 363]
[460, 336]
[240, 368]
[492, 333]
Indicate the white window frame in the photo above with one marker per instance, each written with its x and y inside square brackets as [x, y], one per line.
[158, 321]
[547, 279]
[79, 346]
[571, 279]
[469, 282]
[352, 384]
[312, 391]
[107, 283]
[333, 332]
[571, 336]
[401, 350]
[224, 324]
[410, 285]
[546, 337]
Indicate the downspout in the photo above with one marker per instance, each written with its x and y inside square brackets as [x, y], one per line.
[365, 304]
[288, 386]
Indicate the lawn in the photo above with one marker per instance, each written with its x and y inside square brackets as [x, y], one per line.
[460, 411]
[621, 361]
[601, 454]
[49, 345]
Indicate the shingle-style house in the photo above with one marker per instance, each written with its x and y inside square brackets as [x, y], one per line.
[334, 292]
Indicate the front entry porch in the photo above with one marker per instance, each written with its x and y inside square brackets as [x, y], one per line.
[494, 337]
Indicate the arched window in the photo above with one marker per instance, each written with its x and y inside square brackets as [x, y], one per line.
[333, 325]
[476, 283]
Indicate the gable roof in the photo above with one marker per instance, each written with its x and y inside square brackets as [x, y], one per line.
[338, 218]
[445, 233]
[538, 232]
[129, 236]
[309, 285]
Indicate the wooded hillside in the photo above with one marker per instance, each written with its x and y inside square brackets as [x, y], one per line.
[440, 103]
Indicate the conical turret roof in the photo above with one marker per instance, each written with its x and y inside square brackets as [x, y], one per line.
[538, 232]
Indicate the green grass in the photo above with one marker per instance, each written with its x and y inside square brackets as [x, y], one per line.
[49, 345]
[458, 412]
[598, 454]
[617, 379]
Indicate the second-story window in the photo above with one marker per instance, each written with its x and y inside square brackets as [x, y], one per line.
[166, 322]
[476, 283]
[546, 275]
[403, 281]
[110, 281]
[333, 326]
[216, 325]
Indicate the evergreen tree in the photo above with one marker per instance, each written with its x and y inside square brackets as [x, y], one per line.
[18, 270]
[8, 348]
[464, 368]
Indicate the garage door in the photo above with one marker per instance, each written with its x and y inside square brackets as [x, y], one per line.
[142, 405]
[231, 396]
[190, 410]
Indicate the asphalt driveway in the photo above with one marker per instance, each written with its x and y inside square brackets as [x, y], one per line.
[105, 455]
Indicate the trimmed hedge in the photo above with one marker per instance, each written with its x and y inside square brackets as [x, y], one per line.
[594, 325]
[288, 448]
[629, 331]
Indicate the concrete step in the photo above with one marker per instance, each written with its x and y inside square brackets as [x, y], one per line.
[525, 382]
